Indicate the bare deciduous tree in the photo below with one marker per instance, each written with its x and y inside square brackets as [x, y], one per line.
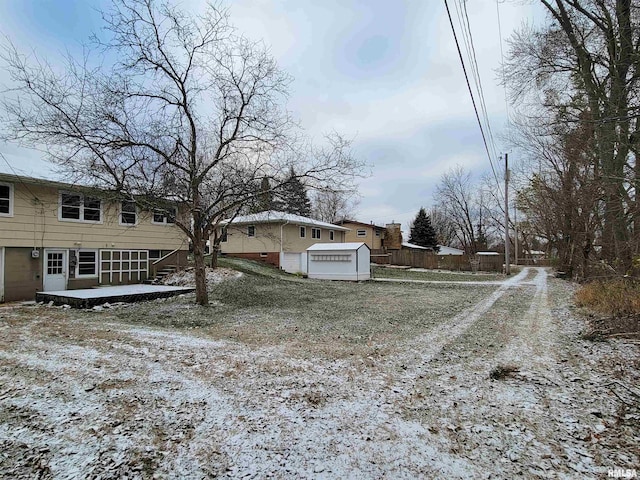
[444, 227]
[189, 111]
[563, 198]
[585, 69]
[456, 200]
[331, 205]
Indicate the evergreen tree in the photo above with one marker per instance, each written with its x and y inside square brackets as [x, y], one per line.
[264, 200]
[422, 232]
[294, 196]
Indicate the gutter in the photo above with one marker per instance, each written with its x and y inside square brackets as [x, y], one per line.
[281, 249]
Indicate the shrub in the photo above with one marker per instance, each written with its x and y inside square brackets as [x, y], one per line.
[618, 297]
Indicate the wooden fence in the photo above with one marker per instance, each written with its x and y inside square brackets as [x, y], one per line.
[536, 262]
[422, 259]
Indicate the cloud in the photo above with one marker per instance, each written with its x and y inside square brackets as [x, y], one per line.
[384, 73]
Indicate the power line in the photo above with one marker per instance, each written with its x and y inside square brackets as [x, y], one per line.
[473, 101]
[465, 26]
[483, 104]
[506, 103]
[35, 197]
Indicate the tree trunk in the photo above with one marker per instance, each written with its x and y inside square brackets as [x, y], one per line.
[636, 212]
[214, 255]
[202, 296]
[586, 251]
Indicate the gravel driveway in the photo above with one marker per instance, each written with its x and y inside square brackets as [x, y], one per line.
[107, 399]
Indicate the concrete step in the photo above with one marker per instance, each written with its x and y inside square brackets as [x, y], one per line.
[160, 274]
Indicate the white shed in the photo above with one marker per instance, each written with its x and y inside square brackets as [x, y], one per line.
[339, 261]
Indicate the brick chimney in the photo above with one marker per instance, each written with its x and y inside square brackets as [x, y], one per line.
[393, 236]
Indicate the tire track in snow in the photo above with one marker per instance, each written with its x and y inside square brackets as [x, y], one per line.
[538, 322]
[536, 332]
[425, 347]
[555, 409]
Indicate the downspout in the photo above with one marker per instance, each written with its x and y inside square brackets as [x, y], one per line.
[281, 249]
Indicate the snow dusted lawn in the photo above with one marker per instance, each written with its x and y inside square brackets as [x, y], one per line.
[434, 275]
[310, 379]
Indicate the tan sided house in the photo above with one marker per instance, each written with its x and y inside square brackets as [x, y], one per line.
[372, 235]
[277, 238]
[56, 236]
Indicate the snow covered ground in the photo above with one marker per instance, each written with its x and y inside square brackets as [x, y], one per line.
[186, 277]
[101, 399]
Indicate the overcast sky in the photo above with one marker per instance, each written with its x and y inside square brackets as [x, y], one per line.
[385, 73]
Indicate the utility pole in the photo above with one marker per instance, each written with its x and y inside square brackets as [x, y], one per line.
[515, 227]
[507, 265]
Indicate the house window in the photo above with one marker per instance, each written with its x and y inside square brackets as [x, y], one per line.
[74, 206]
[251, 231]
[128, 213]
[6, 199]
[315, 233]
[54, 263]
[124, 266]
[264, 255]
[87, 265]
[361, 233]
[165, 216]
[378, 233]
[303, 232]
[331, 235]
[223, 235]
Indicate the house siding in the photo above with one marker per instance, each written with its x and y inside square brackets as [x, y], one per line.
[77, 283]
[293, 242]
[35, 223]
[373, 242]
[267, 239]
[22, 274]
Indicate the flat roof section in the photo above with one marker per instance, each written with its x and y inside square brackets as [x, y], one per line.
[90, 297]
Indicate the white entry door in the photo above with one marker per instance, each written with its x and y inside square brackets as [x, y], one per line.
[55, 270]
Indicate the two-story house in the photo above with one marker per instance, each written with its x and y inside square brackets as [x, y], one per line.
[277, 238]
[58, 236]
[372, 235]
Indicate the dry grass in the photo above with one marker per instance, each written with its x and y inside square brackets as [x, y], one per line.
[617, 298]
[434, 275]
[501, 372]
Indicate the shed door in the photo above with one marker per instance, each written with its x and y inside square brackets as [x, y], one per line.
[55, 270]
[291, 262]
